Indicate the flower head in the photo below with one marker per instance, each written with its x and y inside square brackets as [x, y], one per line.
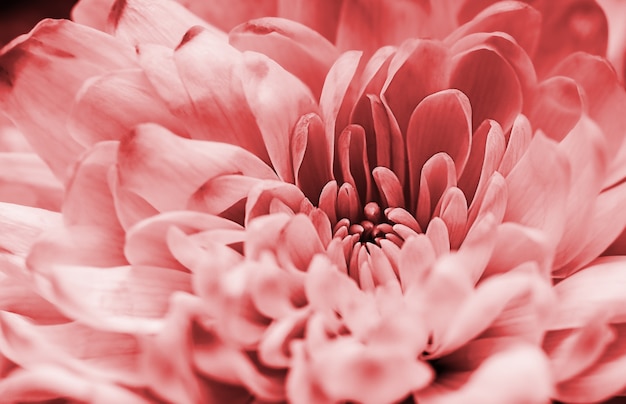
[256, 214]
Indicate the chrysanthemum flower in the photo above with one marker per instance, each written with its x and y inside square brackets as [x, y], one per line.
[260, 216]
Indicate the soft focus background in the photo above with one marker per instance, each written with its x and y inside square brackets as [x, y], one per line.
[19, 16]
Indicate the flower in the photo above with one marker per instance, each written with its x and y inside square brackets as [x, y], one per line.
[259, 215]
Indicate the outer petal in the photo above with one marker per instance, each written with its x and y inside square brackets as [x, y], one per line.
[26, 180]
[67, 52]
[237, 11]
[142, 21]
[109, 106]
[166, 169]
[20, 226]
[540, 179]
[299, 50]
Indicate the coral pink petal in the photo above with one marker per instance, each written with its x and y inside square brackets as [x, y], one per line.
[102, 112]
[311, 162]
[20, 296]
[347, 370]
[418, 68]
[449, 114]
[568, 27]
[94, 353]
[146, 241]
[556, 108]
[54, 383]
[511, 370]
[26, 180]
[22, 225]
[436, 176]
[237, 12]
[123, 299]
[88, 199]
[352, 158]
[517, 144]
[488, 145]
[140, 21]
[484, 306]
[322, 16]
[336, 86]
[538, 188]
[572, 351]
[152, 161]
[517, 244]
[453, 211]
[601, 381]
[66, 50]
[605, 225]
[276, 111]
[490, 83]
[298, 49]
[597, 287]
[299, 243]
[369, 26]
[417, 256]
[515, 18]
[268, 195]
[77, 245]
[92, 13]
[605, 98]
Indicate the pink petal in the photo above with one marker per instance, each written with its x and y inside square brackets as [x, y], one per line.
[598, 287]
[299, 243]
[369, 26]
[92, 13]
[605, 98]
[298, 49]
[347, 370]
[515, 18]
[490, 83]
[490, 299]
[447, 113]
[146, 241]
[419, 68]
[352, 159]
[389, 187]
[276, 112]
[22, 225]
[487, 150]
[601, 381]
[518, 142]
[574, 350]
[453, 212]
[557, 107]
[322, 16]
[336, 86]
[122, 299]
[130, 207]
[141, 21]
[238, 11]
[605, 225]
[268, 195]
[310, 156]
[521, 374]
[538, 188]
[93, 353]
[77, 245]
[568, 27]
[585, 143]
[166, 169]
[491, 201]
[88, 199]
[67, 51]
[417, 256]
[438, 174]
[102, 112]
[26, 180]
[517, 244]
[54, 383]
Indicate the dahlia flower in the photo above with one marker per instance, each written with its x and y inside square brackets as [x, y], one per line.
[328, 202]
